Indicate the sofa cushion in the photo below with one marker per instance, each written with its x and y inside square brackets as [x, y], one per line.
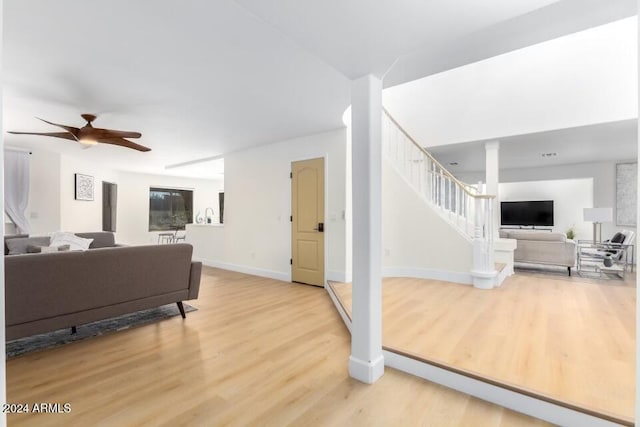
[101, 239]
[34, 249]
[76, 243]
[9, 237]
[19, 245]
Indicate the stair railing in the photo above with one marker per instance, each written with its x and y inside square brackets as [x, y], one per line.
[464, 205]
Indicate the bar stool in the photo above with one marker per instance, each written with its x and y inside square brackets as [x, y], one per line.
[164, 238]
[179, 237]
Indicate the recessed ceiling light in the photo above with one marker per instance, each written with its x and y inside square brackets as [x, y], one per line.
[453, 163]
[549, 154]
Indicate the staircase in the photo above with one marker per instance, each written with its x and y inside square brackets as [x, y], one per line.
[463, 207]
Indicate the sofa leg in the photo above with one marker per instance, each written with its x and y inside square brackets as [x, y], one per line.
[569, 269]
[73, 330]
[181, 308]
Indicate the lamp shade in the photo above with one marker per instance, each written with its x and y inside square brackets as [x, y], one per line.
[598, 214]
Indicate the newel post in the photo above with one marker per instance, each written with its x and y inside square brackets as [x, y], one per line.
[483, 272]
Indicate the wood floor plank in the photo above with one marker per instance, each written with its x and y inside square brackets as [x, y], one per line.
[256, 352]
[572, 339]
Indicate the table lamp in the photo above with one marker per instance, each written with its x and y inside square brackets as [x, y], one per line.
[598, 216]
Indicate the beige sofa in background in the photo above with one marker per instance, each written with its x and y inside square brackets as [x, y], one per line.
[542, 247]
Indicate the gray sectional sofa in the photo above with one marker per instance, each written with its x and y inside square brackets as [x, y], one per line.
[50, 291]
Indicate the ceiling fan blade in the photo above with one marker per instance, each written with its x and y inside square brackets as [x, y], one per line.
[98, 133]
[64, 135]
[71, 129]
[123, 143]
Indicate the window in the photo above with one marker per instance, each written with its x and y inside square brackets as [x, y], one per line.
[170, 209]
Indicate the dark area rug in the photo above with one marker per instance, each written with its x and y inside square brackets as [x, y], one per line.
[64, 336]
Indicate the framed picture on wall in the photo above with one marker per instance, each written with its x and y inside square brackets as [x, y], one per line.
[626, 194]
[83, 187]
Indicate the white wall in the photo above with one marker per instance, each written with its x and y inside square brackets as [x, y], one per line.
[43, 210]
[133, 202]
[52, 205]
[257, 230]
[604, 183]
[78, 215]
[569, 197]
[3, 367]
[416, 241]
[258, 204]
[583, 78]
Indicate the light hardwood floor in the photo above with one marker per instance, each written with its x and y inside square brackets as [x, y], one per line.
[257, 352]
[569, 338]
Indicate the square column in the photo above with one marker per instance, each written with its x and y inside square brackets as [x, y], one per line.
[366, 362]
[492, 178]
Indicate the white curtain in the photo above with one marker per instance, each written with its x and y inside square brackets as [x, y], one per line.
[16, 188]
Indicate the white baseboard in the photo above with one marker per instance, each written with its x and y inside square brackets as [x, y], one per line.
[365, 371]
[343, 314]
[277, 275]
[484, 280]
[428, 273]
[337, 276]
[502, 276]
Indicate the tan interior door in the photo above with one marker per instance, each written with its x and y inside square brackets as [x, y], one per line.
[307, 222]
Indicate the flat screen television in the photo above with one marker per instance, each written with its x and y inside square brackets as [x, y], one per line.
[531, 213]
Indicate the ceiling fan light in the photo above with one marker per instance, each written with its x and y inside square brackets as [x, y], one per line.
[87, 141]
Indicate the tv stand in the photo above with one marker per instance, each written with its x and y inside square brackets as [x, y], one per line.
[526, 227]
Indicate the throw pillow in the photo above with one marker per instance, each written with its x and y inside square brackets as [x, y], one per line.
[19, 245]
[617, 238]
[33, 249]
[75, 243]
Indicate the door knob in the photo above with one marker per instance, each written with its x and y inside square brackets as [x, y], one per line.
[320, 227]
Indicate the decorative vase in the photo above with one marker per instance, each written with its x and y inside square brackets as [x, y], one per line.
[198, 218]
[608, 261]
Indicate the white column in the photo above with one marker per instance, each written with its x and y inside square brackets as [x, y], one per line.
[492, 178]
[366, 362]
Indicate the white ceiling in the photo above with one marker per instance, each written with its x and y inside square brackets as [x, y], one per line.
[583, 78]
[360, 37]
[545, 23]
[200, 79]
[585, 144]
[197, 78]
[575, 96]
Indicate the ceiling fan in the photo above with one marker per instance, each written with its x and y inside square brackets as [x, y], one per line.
[88, 135]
